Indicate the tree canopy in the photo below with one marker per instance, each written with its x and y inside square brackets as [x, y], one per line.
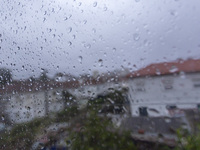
[5, 76]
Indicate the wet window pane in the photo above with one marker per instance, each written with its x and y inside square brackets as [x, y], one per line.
[100, 75]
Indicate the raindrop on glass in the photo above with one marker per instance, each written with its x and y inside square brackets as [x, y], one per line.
[80, 59]
[94, 30]
[182, 75]
[136, 37]
[94, 4]
[105, 8]
[84, 21]
[69, 43]
[100, 61]
[2, 118]
[87, 46]
[158, 72]
[173, 69]
[114, 49]
[69, 29]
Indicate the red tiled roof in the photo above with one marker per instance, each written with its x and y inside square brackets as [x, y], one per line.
[166, 68]
[27, 86]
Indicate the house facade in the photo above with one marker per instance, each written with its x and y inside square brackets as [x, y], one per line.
[22, 101]
[165, 89]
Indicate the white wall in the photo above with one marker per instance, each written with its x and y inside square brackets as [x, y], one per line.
[88, 91]
[147, 92]
[151, 92]
[56, 102]
[24, 107]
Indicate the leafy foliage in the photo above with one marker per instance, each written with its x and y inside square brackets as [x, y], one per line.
[67, 114]
[5, 76]
[99, 134]
[22, 135]
[112, 102]
[69, 99]
[187, 141]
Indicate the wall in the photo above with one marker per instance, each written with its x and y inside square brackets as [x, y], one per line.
[157, 92]
[26, 106]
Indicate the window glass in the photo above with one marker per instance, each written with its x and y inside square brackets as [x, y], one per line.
[99, 74]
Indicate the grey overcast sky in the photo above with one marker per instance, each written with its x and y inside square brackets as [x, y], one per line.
[77, 37]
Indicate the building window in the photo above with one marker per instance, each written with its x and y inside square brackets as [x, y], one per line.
[198, 107]
[54, 93]
[196, 83]
[168, 87]
[140, 89]
[143, 111]
[140, 86]
[168, 84]
[171, 107]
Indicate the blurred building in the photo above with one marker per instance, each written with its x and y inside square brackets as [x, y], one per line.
[164, 89]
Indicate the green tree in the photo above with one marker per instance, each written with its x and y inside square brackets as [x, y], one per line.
[69, 99]
[112, 102]
[5, 76]
[187, 141]
[99, 134]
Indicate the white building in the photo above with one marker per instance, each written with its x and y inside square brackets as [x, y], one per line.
[165, 89]
[162, 89]
[25, 100]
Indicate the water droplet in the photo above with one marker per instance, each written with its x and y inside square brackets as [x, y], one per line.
[136, 37]
[80, 59]
[58, 93]
[94, 4]
[173, 69]
[94, 30]
[69, 29]
[74, 36]
[158, 72]
[173, 13]
[182, 75]
[70, 16]
[87, 46]
[69, 43]
[44, 19]
[58, 78]
[84, 21]
[167, 120]
[105, 8]
[100, 61]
